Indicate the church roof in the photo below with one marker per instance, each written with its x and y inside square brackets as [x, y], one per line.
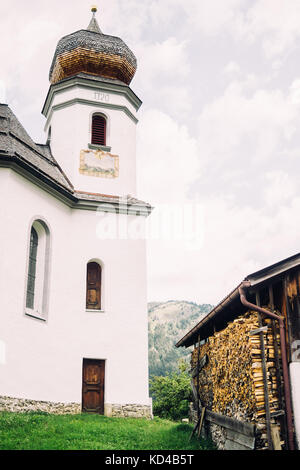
[17, 147]
[93, 52]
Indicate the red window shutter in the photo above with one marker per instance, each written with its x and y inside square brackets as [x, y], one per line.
[98, 130]
[93, 286]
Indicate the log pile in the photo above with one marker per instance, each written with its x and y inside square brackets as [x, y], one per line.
[257, 371]
[231, 382]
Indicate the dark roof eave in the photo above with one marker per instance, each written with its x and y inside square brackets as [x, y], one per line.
[255, 279]
[188, 339]
[71, 197]
[273, 270]
[12, 159]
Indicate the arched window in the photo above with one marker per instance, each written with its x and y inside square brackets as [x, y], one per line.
[98, 130]
[32, 268]
[93, 286]
[38, 270]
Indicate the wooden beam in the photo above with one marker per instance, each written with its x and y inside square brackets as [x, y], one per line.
[201, 421]
[238, 441]
[278, 370]
[263, 329]
[201, 363]
[198, 379]
[265, 378]
[194, 391]
[247, 429]
[276, 437]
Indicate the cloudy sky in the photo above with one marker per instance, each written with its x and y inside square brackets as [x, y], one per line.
[219, 129]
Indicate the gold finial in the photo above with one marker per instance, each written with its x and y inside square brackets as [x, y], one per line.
[94, 9]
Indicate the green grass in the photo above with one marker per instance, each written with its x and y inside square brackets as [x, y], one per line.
[41, 431]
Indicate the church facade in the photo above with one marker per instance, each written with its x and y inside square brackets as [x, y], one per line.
[73, 304]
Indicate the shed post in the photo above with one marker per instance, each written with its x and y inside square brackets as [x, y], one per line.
[265, 378]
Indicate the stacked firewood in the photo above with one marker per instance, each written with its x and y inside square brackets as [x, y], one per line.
[231, 382]
[257, 370]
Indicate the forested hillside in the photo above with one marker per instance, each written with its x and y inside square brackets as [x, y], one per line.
[168, 322]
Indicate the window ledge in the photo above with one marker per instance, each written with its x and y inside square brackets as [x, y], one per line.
[34, 314]
[92, 310]
[104, 148]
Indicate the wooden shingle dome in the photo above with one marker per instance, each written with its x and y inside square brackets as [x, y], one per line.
[92, 52]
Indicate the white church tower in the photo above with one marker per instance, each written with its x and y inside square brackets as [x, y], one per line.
[73, 303]
[92, 112]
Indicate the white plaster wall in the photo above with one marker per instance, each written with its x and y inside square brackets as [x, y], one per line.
[71, 133]
[295, 385]
[44, 359]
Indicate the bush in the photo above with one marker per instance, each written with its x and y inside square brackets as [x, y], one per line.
[171, 394]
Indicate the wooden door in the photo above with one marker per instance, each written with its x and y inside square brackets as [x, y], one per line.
[93, 386]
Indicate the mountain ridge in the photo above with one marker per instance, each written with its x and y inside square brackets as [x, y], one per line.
[167, 323]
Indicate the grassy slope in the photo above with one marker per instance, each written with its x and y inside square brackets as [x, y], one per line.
[37, 431]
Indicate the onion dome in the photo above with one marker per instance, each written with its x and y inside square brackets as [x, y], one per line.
[92, 52]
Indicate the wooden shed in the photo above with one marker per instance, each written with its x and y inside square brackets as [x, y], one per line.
[245, 364]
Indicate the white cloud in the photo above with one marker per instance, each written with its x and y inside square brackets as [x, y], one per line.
[2, 92]
[279, 188]
[263, 116]
[238, 240]
[295, 91]
[212, 16]
[168, 158]
[166, 59]
[276, 23]
[232, 68]
[243, 142]
[163, 70]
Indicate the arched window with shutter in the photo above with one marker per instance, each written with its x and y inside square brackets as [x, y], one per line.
[93, 286]
[98, 130]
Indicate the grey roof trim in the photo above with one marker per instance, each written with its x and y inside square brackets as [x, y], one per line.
[226, 301]
[31, 173]
[255, 279]
[274, 270]
[73, 101]
[84, 81]
[73, 199]
[15, 141]
[115, 207]
[36, 163]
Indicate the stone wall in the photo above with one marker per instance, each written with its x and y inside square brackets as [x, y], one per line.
[129, 411]
[22, 405]
[120, 411]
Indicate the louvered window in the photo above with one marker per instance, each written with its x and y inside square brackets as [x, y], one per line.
[98, 130]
